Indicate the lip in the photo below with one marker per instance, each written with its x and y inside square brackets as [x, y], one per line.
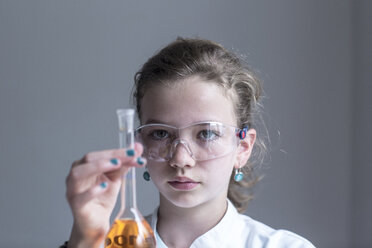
[183, 183]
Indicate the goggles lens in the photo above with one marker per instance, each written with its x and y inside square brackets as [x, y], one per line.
[203, 141]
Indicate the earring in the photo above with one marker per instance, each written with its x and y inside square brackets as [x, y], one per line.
[146, 176]
[243, 133]
[238, 175]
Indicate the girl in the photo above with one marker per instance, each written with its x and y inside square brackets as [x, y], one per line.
[196, 102]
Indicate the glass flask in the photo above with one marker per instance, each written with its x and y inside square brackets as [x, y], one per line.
[130, 229]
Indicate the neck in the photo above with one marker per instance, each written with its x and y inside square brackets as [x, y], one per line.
[179, 227]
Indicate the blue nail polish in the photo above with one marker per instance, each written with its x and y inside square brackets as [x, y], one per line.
[130, 152]
[103, 185]
[140, 161]
[114, 161]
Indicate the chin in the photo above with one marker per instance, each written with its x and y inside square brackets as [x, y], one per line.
[183, 199]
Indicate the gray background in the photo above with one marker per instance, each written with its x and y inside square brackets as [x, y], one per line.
[65, 66]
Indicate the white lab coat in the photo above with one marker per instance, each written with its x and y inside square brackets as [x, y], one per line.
[239, 231]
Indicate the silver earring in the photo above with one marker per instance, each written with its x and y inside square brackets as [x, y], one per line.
[238, 175]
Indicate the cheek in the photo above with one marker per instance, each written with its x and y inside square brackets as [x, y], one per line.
[220, 170]
[156, 174]
[160, 172]
[156, 168]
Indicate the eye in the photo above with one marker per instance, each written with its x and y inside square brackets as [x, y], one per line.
[159, 134]
[208, 135]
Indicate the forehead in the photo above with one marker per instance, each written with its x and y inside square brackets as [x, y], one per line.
[187, 101]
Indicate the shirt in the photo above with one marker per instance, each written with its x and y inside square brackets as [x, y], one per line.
[236, 230]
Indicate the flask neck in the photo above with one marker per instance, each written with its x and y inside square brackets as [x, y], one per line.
[128, 209]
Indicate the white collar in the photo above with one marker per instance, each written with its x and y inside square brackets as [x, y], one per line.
[237, 230]
[217, 233]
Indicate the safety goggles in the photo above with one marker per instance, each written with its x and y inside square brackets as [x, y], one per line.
[203, 140]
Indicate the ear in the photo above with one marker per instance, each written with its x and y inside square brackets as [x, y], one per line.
[245, 148]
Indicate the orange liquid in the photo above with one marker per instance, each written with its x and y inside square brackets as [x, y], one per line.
[130, 234]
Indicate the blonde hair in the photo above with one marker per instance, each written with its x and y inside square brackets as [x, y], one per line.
[190, 57]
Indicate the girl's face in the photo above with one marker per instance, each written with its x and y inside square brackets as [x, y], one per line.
[182, 181]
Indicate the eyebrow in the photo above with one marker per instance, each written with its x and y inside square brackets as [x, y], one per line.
[154, 121]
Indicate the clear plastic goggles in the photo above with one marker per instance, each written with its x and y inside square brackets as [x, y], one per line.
[203, 141]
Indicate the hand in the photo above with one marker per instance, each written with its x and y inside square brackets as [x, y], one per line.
[92, 188]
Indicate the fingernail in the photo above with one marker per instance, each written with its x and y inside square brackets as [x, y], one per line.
[103, 185]
[114, 161]
[130, 152]
[140, 161]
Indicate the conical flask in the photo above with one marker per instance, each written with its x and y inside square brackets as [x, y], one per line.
[130, 229]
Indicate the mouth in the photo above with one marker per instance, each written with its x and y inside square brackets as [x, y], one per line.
[183, 183]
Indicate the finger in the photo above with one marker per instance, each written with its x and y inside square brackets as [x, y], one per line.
[82, 177]
[103, 166]
[123, 154]
[94, 168]
[120, 155]
[82, 198]
[117, 175]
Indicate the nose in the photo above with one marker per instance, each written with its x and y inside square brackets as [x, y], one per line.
[181, 155]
